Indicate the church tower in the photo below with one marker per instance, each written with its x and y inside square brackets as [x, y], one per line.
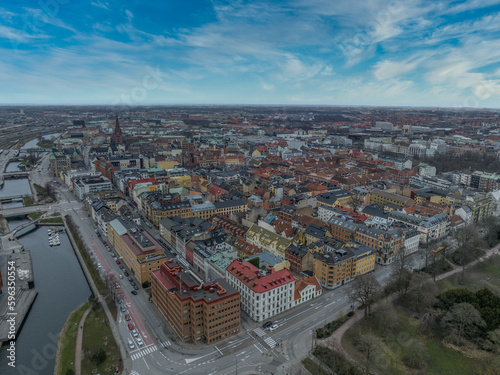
[118, 132]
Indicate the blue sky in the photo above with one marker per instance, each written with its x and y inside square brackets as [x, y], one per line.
[333, 52]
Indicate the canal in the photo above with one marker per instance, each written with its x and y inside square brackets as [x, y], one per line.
[61, 287]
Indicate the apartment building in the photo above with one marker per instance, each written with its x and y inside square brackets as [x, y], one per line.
[267, 240]
[430, 228]
[139, 251]
[382, 198]
[306, 289]
[202, 312]
[336, 267]
[264, 293]
[85, 186]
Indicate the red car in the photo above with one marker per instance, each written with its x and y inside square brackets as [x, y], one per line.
[127, 317]
[117, 262]
[130, 326]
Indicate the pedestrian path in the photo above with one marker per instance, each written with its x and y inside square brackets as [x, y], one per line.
[269, 341]
[78, 349]
[164, 344]
[144, 352]
[259, 332]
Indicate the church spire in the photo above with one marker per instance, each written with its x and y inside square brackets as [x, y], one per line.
[118, 131]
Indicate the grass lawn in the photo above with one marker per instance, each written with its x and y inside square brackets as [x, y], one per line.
[35, 215]
[444, 361]
[27, 201]
[45, 144]
[485, 274]
[92, 270]
[52, 220]
[97, 334]
[312, 367]
[67, 342]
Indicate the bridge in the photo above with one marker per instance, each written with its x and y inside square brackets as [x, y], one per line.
[16, 174]
[14, 231]
[22, 211]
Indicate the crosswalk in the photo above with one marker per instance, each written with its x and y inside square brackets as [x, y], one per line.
[164, 344]
[144, 352]
[259, 332]
[269, 341]
[133, 372]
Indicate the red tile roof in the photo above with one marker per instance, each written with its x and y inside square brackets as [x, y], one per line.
[249, 275]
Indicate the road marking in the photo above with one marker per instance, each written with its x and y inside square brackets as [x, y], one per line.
[218, 350]
[269, 341]
[240, 353]
[256, 347]
[145, 363]
[259, 332]
[165, 343]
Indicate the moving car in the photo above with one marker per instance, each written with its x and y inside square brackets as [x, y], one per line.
[267, 324]
[275, 326]
[134, 292]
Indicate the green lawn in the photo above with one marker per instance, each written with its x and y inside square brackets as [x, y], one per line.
[312, 367]
[36, 215]
[67, 341]
[445, 361]
[45, 144]
[97, 334]
[52, 220]
[27, 201]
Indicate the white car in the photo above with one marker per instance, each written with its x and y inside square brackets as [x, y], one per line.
[273, 327]
[139, 341]
[131, 344]
[134, 333]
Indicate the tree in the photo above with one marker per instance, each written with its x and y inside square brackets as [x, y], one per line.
[401, 277]
[470, 247]
[365, 290]
[422, 291]
[463, 321]
[367, 343]
[99, 357]
[491, 226]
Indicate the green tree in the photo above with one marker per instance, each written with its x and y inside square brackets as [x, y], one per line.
[99, 356]
[255, 262]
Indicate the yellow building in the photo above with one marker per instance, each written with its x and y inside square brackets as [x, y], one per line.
[334, 268]
[136, 248]
[382, 198]
[267, 240]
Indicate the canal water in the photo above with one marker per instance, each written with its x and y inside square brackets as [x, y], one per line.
[15, 187]
[61, 287]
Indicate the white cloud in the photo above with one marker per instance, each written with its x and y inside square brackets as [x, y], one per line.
[129, 14]
[100, 4]
[389, 69]
[267, 86]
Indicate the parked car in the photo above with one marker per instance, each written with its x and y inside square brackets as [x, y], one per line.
[139, 341]
[136, 287]
[119, 301]
[127, 317]
[126, 273]
[129, 279]
[122, 308]
[130, 326]
[134, 292]
[117, 261]
[134, 333]
[131, 344]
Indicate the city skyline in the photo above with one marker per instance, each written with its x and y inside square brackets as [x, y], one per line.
[378, 53]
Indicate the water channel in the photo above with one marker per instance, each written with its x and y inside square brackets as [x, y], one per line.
[61, 287]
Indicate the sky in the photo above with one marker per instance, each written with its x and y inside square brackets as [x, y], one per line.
[314, 52]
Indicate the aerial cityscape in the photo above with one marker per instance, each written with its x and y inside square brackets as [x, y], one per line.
[254, 188]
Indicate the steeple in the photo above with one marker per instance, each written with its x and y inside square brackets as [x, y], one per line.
[118, 131]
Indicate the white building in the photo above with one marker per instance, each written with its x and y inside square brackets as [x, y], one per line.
[412, 240]
[264, 293]
[91, 185]
[426, 170]
[430, 228]
[306, 290]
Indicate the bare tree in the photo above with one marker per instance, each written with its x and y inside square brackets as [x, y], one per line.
[464, 321]
[367, 343]
[365, 290]
[470, 246]
[357, 200]
[422, 291]
[491, 225]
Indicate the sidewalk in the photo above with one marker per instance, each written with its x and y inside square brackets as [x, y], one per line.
[78, 348]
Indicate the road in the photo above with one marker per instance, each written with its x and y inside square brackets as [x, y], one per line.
[254, 350]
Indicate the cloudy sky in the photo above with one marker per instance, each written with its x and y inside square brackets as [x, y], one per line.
[334, 52]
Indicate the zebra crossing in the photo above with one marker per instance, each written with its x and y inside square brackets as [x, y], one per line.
[164, 344]
[269, 341]
[259, 332]
[144, 352]
[133, 372]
